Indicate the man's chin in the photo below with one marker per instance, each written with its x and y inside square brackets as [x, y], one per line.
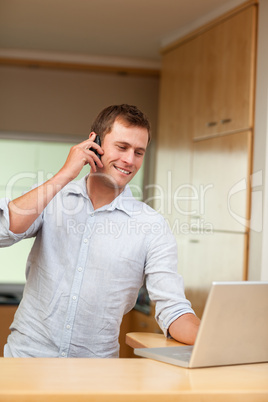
[109, 181]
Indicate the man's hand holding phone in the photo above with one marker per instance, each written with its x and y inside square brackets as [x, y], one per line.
[82, 154]
[98, 142]
[97, 150]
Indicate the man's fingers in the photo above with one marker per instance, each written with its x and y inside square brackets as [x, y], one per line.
[87, 144]
[92, 159]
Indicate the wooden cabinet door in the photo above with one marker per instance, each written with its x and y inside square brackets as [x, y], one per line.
[174, 141]
[7, 313]
[224, 80]
[220, 179]
[211, 257]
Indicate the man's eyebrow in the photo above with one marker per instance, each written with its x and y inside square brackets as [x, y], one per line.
[129, 145]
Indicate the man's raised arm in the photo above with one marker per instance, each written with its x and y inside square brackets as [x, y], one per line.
[24, 210]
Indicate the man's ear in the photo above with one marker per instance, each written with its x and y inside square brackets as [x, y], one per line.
[91, 134]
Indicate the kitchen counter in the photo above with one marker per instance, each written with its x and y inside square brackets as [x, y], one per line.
[123, 380]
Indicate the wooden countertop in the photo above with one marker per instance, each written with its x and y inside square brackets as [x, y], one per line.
[149, 340]
[127, 380]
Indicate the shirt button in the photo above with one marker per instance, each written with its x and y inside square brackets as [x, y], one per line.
[91, 215]
[74, 297]
[80, 269]
[63, 354]
[68, 326]
[85, 241]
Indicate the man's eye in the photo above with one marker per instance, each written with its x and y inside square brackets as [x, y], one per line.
[121, 147]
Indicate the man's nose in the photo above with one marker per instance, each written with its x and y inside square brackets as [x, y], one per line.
[129, 157]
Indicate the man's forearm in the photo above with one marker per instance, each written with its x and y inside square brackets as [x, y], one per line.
[184, 329]
[24, 210]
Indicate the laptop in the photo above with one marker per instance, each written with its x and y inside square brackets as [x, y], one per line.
[233, 329]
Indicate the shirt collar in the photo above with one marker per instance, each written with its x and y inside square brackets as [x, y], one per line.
[124, 201]
[78, 187]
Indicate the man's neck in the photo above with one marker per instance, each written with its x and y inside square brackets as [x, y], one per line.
[101, 193]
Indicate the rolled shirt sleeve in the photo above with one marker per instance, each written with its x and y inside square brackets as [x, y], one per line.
[7, 237]
[164, 284]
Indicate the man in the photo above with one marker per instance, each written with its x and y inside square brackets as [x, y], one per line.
[94, 246]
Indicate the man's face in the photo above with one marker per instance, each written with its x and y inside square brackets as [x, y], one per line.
[124, 149]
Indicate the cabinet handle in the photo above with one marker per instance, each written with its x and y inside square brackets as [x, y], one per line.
[224, 121]
[211, 123]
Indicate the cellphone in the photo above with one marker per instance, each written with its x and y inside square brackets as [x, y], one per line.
[98, 141]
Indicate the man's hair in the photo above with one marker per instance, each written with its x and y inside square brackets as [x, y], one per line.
[129, 115]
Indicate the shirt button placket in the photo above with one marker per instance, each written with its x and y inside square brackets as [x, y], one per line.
[75, 291]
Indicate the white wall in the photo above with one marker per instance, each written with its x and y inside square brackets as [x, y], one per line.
[65, 102]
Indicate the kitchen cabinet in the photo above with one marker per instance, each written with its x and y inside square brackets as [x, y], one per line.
[224, 75]
[204, 148]
[7, 313]
[174, 142]
[136, 321]
[220, 178]
[10, 297]
[217, 256]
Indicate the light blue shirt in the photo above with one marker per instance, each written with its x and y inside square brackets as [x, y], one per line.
[84, 273]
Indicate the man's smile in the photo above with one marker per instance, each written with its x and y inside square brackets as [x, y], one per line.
[122, 170]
